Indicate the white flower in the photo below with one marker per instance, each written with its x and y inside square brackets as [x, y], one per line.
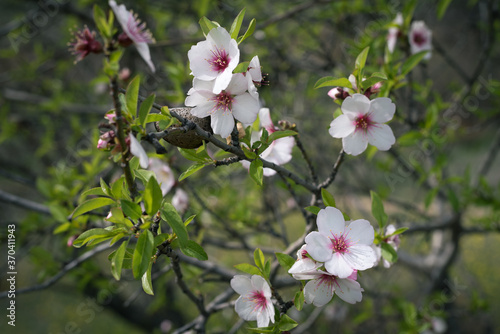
[163, 173]
[319, 291]
[180, 201]
[343, 248]
[420, 38]
[391, 240]
[135, 30]
[394, 32]
[137, 150]
[255, 300]
[254, 76]
[304, 268]
[221, 107]
[280, 150]
[215, 58]
[362, 123]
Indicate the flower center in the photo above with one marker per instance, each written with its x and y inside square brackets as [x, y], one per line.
[258, 298]
[223, 102]
[340, 244]
[328, 280]
[362, 123]
[419, 38]
[219, 61]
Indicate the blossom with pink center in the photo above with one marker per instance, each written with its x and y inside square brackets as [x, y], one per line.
[215, 59]
[394, 32]
[420, 38]
[84, 44]
[304, 268]
[393, 240]
[163, 173]
[342, 248]
[362, 123]
[137, 150]
[223, 107]
[255, 300]
[320, 290]
[280, 150]
[135, 30]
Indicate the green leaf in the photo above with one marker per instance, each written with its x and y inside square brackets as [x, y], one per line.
[152, 196]
[160, 238]
[144, 175]
[412, 61]
[187, 221]
[398, 231]
[248, 268]
[97, 191]
[91, 204]
[285, 260]
[206, 25]
[454, 201]
[142, 253]
[104, 187]
[132, 96]
[131, 209]
[441, 8]
[242, 67]
[299, 300]
[171, 216]
[89, 235]
[249, 32]
[280, 134]
[191, 154]
[361, 59]
[157, 118]
[262, 330]
[376, 77]
[249, 154]
[256, 171]
[145, 108]
[101, 22]
[259, 258]
[236, 26]
[193, 249]
[378, 210]
[117, 261]
[191, 170]
[389, 253]
[328, 199]
[410, 138]
[147, 284]
[286, 323]
[331, 81]
[429, 197]
[313, 209]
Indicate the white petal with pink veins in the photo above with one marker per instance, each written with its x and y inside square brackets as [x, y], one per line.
[349, 291]
[382, 110]
[245, 108]
[318, 246]
[381, 136]
[359, 257]
[355, 105]
[222, 123]
[341, 127]
[318, 292]
[355, 143]
[338, 265]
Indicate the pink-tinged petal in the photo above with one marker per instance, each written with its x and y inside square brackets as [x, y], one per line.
[196, 98]
[360, 257]
[222, 81]
[353, 276]
[270, 311]
[355, 143]
[333, 92]
[246, 309]
[360, 232]
[137, 150]
[260, 284]
[245, 108]
[163, 173]
[382, 110]
[305, 269]
[281, 151]
[265, 120]
[254, 69]
[338, 266]
[262, 319]
[349, 291]
[222, 123]
[198, 55]
[241, 284]
[318, 292]
[381, 136]
[318, 246]
[355, 105]
[330, 222]
[341, 127]
[268, 172]
[352, 80]
[204, 110]
[252, 90]
[143, 50]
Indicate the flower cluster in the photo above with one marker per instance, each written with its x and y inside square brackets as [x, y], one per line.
[217, 91]
[332, 256]
[392, 240]
[280, 150]
[419, 36]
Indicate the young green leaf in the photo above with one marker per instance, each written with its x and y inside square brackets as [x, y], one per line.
[299, 300]
[132, 96]
[285, 260]
[92, 234]
[286, 323]
[117, 260]
[248, 268]
[242, 67]
[259, 258]
[145, 108]
[398, 231]
[206, 25]
[313, 209]
[412, 61]
[441, 8]
[236, 26]
[147, 284]
[331, 81]
[101, 22]
[378, 210]
[152, 196]
[171, 216]
[105, 187]
[142, 253]
[249, 32]
[91, 204]
[280, 134]
[256, 171]
[389, 253]
[328, 199]
[191, 170]
[361, 59]
[193, 249]
[131, 209]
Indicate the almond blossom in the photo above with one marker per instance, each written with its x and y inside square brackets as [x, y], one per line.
[320, 290]
[233, 102]
[393, 240]
[255, 300]
[394, 32]
[180, 201]
[215, 58]
[135, 32]
[341, 93]
[342, 248]
[254, 76]
[420, 38]
[362, 123]
[84, 43]
[280, 150]
[163, 173]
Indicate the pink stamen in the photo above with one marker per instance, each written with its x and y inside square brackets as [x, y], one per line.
[258, 298]
[363, 123]
[340, 244]
[223, 102]
[219, 61]
[419, 38]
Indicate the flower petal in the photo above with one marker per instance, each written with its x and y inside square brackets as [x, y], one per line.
[381, 136]
[330, 222]
[203, 110]
[305, 269]
[355, 105]
[382, 110]
[341, 127]
[143, 50]
[137, 150]
[360, 257]
[338, 266]
[245, 108]
[355, 143]
[260, 284]
[265, 120]
[318, 292]
[222, 123]
[318, 246]
[246, 309]
[349, 290]
[241, 284]
[360, 232]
